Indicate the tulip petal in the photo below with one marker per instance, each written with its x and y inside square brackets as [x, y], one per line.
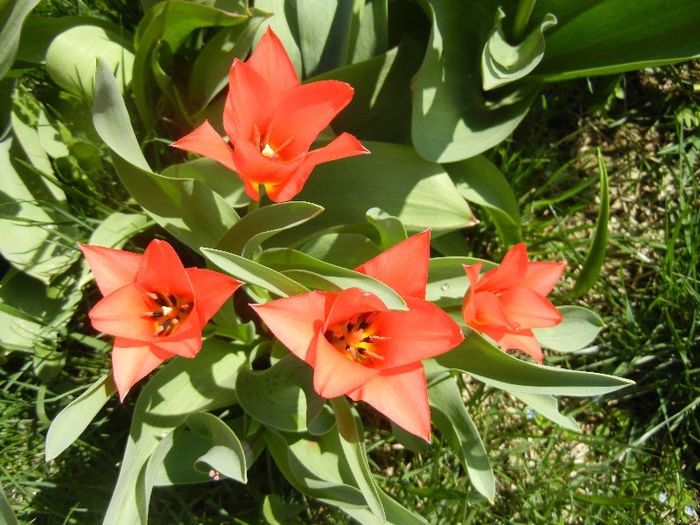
[205, 140]
[111, 268]
[490, 312]
[335, 374]
[344, 145]
[186, 341]
[468, 306]
[297, 320]
[522, 341]
[132, 361]
[421, 332]
[512, 269]
[542, 276]
[401, 394]
[161, 271]
[528, 309]
[118, 314]
[255, 167]
[404, 267]
[305, 111]
[270, 60]
[211, 290]
[351, 302]
[250, 103]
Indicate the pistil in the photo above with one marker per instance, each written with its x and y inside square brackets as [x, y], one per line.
[167, 311]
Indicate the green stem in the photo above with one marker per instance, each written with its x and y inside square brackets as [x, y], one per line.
[522, 17]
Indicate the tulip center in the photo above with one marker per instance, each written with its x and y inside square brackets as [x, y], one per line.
[262, 142]
[167, 311]
[356, 338]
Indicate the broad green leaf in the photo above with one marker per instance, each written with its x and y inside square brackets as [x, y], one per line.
[390, 229]
[211, 67]
[31, 239]
[447, 281]
[485, 362]
[192, 454]
[588, 275]
[182, 387]
[578, 329]
[502, 62]
[12, 17]
[546, 405]
[452, 117]
[253, 229]
[276, 511]
[255, 273]
[186, 208]
[67, 426]
[381, 107]
[283, 259]
[393, 178]
[170, 23]
[348, 250]
[451, 417]
[368, 35]
[281, 397]
[70, 59]
[323, 27]
[602, 38]
[215, 176]
[351, 441]
[480, 182]
[7, 516]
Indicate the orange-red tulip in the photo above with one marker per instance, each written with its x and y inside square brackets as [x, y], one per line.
[154, 306]
[360, 348]
[510, 300]
[271, 121]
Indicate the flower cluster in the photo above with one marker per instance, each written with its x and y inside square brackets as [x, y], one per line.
[357, 346]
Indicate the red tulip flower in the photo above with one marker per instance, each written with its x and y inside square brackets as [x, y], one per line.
[510, 300]
[360, 348]
[271, 121]
[153, 306]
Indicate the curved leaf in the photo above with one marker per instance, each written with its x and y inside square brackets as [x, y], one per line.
[485, 362]
[13, 14]
[215, 176]
[579, 327]
[447, 281]
[546, 405]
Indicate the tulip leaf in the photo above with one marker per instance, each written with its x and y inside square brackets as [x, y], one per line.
[67, 426]
[485, 362]
[391, 230]
[283, 23]
[210, 444]
[285, 259]
[256, 227]
[480, 182]
[393, 178]
[351, 441]
[171, 23]
[452, 419]
[182, 387]
[502, 62]
[31, 239]
[12, 18]
[452, 117]
[212, 174]
[186, 208]
[318, 469]
[281, 397]
[603, 38]
[546, 405]
[211, 67]
[7, 516]
[381, 107]
[348, 250]
[255, 273]
[70, 58]
[590, 271]
[447, 281]
[579, 327]
[276, 511]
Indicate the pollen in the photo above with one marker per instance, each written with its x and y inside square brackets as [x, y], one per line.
[167, 311]
[357, 339]
[268, 151]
